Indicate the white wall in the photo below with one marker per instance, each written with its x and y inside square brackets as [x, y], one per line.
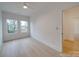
[17, 34]
[43, 28]
[71, 23]
[0, 31]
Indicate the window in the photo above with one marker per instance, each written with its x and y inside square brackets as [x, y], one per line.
[24, 26]
[11, 25]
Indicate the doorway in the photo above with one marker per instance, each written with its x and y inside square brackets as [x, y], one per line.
[71, 31]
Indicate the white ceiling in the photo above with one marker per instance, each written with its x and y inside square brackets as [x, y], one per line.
[34, 7]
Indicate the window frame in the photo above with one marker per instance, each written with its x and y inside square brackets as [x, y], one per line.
[21, 30]
[16, 26]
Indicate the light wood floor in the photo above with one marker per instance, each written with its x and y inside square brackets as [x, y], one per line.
[71, 47]
[27, 47]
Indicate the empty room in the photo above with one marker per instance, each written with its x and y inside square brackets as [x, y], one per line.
[39, 29]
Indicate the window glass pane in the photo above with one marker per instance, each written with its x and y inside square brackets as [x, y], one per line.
[11, 25]
[24, 26]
